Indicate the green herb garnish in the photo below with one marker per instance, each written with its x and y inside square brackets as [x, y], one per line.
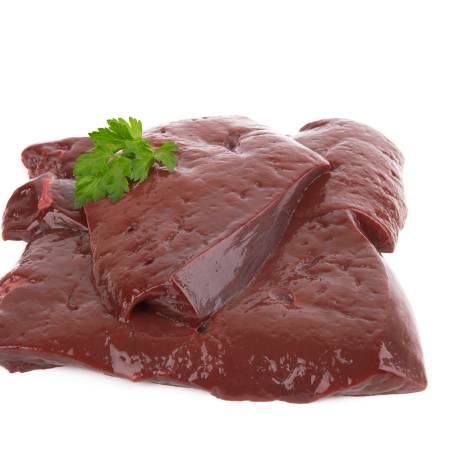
[120, 155]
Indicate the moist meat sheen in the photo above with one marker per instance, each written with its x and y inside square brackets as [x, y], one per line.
[323, 314]
[189, 241]
[365, 177]
[43, 204]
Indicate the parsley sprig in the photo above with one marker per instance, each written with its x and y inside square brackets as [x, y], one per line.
[120, 155]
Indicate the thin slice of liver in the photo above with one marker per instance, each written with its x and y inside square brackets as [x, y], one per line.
[43, 204]
[365, 176]
[323, 317]
[58, 157]
[189, 241]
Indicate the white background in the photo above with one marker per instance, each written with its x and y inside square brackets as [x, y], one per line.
[66, 67]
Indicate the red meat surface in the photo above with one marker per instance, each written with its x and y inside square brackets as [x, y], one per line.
[44, 204]
[189, 241]
[324, 314]
[57, 157]
[366, 176]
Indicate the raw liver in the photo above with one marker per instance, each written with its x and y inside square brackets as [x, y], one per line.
[323, 316]
[57, 157]
[44, 204]
[366, 176]
[189, 241]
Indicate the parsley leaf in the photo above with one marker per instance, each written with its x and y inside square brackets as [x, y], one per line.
[89, 189]
[116, 178]
[166, 153]
[96, 162]
[120, 155]
[144, 159]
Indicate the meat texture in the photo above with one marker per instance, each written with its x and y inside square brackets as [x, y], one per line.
[57, 157]
[44, 204]
[189, 241]
[366, 176]
[324, 315]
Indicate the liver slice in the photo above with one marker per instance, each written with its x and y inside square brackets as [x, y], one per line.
[324, 317]
[189, 241]
[57, 157]
[44, 204]
[365, 176]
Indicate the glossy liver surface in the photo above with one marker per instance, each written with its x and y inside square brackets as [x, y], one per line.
[365, 177]
[324, 315]
[191, 240]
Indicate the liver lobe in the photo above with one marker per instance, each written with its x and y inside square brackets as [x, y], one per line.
[189, 241]
[43, 204]
[323, 316]
[365, 177]
[57, 157]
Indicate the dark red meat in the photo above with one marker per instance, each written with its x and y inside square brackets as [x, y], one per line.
[324, 315]
[56, 157]
[366, 176]
[43, 204]
[189, 241]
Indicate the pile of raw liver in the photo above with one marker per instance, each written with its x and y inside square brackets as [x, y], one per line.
[253, 271]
